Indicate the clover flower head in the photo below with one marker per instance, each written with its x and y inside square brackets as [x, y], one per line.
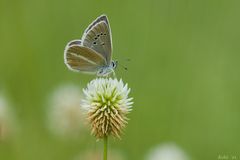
[107, 105]
[167, 151]
[96, 155]
[64, 113]
[7, 120]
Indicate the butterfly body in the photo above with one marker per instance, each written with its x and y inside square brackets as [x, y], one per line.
[106, 70]
[93, 53]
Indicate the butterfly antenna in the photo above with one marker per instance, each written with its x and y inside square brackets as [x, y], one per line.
[124, 67]
[125, 60]
[128, 59]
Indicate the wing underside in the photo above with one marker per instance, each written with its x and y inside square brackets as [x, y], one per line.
[80, 58]
[98, 37]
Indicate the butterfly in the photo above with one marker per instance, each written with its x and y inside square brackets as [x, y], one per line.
[93, 53]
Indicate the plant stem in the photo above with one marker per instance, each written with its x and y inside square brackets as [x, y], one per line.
[105, 148]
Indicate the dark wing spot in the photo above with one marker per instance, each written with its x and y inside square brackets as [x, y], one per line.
[95, 38]
[98, 35]
[103, 43]
[105, 34]
[94, 42]
[101, 34]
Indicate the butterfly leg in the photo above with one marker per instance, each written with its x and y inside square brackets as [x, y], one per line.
[114, 75]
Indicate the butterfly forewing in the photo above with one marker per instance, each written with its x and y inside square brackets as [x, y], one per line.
[99, 19]
[98, 37]
[80, 58]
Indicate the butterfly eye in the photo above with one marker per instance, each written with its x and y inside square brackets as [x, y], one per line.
[113, 64]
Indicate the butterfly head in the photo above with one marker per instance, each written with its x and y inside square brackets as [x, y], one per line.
[113, 64]
[106, 70]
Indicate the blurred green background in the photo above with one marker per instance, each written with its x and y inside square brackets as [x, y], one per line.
[184, 73]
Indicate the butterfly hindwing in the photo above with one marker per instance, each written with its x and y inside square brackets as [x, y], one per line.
[74, 42]
[80, 58]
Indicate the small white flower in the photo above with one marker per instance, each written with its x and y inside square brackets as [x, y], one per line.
[64, 114]
[97, 154]
[107, 104]
[167, 151]
[7, 126]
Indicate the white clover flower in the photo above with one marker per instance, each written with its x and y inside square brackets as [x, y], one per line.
[64, 113]
[7, 126]
[107, 104]
[167, 151]
[97, 154]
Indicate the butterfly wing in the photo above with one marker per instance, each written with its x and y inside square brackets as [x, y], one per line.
[74, 42]
[98, 37]
[80, 58]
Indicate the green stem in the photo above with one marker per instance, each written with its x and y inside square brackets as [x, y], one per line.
[105, 148]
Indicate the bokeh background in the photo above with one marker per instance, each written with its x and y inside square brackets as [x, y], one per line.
[184, 74]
